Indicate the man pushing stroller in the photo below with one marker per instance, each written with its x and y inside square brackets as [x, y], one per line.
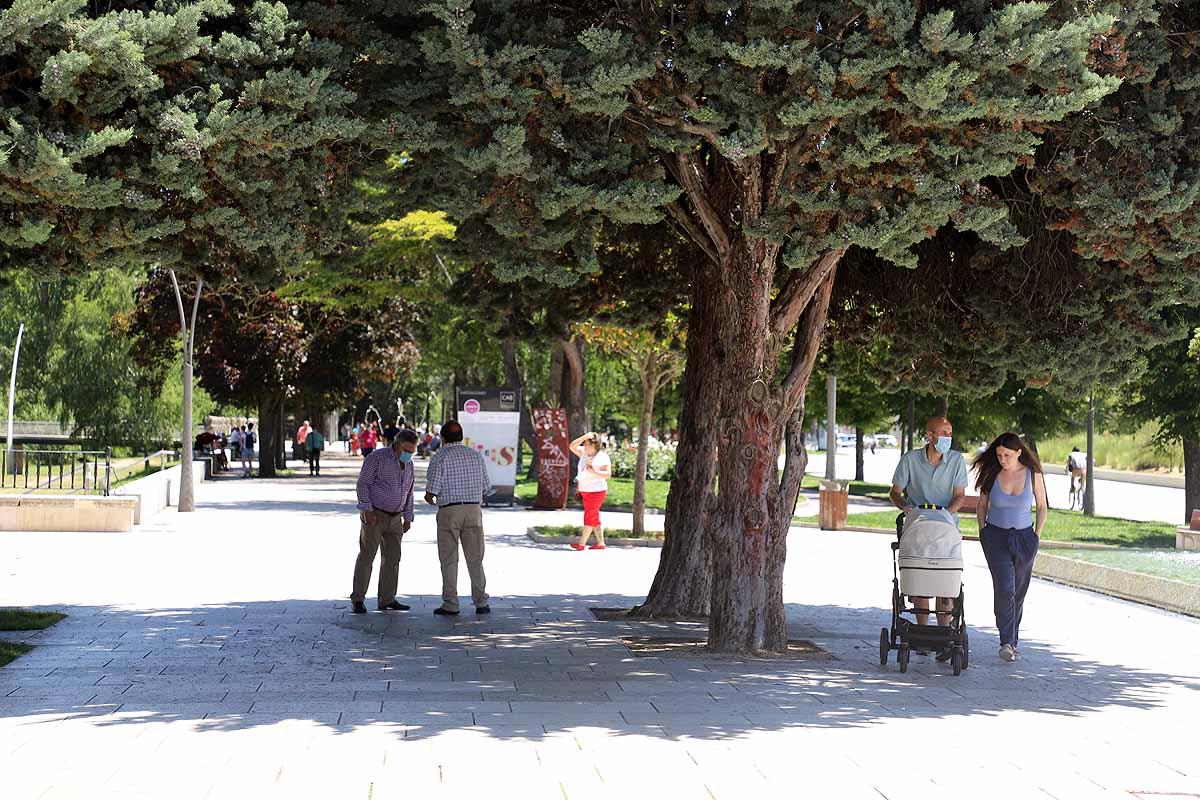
[932, 479]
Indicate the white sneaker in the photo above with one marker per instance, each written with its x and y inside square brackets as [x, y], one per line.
[1007, 653]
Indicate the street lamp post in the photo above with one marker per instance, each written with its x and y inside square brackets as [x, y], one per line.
[12, 392]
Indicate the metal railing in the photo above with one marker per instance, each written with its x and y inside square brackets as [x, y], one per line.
[33, 469]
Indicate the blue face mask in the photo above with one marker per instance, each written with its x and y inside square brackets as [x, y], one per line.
[942, 445]
[405, 457]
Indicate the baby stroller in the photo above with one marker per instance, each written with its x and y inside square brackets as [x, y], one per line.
[927, 562]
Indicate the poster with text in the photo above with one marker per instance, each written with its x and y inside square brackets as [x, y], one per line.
[491, 421]
[554, 459]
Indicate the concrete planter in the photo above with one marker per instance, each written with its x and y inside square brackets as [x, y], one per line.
[1187, 539]
[1149, 589]
[533, 535]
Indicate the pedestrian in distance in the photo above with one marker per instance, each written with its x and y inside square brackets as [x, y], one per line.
[591, 480]
[369, 440]
[385, 511]
[1010, 482]
[354, 441]
[314, 443]
[389, 433]
[235, 443]
[301, 435]
[457, 482]
[933, 478]
[249, 440]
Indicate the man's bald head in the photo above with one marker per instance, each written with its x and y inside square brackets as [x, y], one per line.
[938, 426]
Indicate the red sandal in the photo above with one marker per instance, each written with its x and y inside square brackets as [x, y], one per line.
[596, 547]
[576, 546]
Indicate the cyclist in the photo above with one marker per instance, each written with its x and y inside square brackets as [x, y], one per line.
[1077, 469]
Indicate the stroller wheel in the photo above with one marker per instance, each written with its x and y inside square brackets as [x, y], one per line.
[903, 658]
[956, 661]
[966, 650]
[884, 646]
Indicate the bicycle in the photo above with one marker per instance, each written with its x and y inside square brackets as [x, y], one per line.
[1077, 485]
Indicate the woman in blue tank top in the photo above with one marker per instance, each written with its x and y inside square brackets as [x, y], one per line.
[1010, 483]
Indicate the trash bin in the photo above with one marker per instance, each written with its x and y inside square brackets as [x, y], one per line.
[832, 498]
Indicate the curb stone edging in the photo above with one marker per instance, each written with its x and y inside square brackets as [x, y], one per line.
[1164, 593]
[533, 535]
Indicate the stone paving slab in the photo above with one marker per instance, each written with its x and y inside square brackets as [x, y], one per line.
[246, 673]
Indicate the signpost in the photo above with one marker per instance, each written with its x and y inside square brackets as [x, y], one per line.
[491, 421]
[554, 461]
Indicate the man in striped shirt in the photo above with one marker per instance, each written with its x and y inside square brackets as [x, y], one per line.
[385, 508]
[457, 482]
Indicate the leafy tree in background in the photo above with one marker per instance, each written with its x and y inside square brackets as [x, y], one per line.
[657, 358]
[777, 136]
[1167, 395]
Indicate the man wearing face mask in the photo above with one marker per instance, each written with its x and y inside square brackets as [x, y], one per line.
[933, 478]
[385, 508]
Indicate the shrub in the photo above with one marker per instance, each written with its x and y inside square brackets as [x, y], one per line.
[660, 463]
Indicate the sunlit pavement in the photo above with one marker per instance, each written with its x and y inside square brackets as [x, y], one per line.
[213, 655]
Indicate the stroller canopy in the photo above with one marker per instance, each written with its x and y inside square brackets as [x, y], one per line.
[931, 535]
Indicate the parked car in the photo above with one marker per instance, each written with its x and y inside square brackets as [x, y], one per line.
[845, 440]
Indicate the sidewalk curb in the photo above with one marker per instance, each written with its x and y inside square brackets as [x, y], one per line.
[533, 535]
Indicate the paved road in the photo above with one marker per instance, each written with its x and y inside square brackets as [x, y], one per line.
[1113, 498]
[212, 655]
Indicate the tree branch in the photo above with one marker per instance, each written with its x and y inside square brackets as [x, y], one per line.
[687, 176]
[808, 342]
[692, 230]
[799, 290]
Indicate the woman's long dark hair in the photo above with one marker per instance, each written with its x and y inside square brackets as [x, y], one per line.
[987, 464]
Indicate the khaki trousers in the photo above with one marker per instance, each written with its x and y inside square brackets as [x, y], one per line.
[463, 524]
[384, 535]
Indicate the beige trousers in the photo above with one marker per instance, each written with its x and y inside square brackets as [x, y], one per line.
[384, 535]
[461, 524]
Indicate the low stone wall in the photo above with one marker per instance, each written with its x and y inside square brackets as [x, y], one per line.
[1149, 589]
[155, 492]
[542, 538]
[50, 512]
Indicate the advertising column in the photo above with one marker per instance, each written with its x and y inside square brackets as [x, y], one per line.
[491, 421]
[553, 459]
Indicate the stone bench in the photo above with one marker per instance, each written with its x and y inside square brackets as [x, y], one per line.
[51, 512]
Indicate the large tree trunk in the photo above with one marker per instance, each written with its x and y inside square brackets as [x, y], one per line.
[513, 379]
[270, 418]
[682, 586]
[749, 526]
[574, 391]
[649, 385]
[1191, 476]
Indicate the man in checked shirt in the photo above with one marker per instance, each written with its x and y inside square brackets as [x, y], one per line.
[457, 482]
[385, 507]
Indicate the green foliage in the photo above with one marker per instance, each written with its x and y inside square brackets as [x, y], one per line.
[1167, 392]
[22, 619]
[1139, 450]
[660, 463]
[178, 134]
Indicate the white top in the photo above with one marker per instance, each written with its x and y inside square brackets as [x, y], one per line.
[587, 481]
[1078, 460]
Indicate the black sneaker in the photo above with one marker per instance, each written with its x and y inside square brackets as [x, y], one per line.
[358, 607]
[441, 612]
[395, 605]
[483, 610]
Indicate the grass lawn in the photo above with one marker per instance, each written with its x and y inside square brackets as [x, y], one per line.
[609, 533]
[1061, 526]
[19, 619]
[620, 493]
[857, 488]
[11, 650]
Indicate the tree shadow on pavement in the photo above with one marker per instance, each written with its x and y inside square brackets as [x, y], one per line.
[536, 666]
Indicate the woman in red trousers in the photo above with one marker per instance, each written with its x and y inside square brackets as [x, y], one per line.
[595, 468]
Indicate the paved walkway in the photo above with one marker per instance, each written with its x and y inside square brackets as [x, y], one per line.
[213, 655]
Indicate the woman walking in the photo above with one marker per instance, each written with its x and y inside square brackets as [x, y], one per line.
[595, 468]
[354, 441]
[370, 439]
[1010, 481]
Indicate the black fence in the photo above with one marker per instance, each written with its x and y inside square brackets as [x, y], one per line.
[33, 469]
